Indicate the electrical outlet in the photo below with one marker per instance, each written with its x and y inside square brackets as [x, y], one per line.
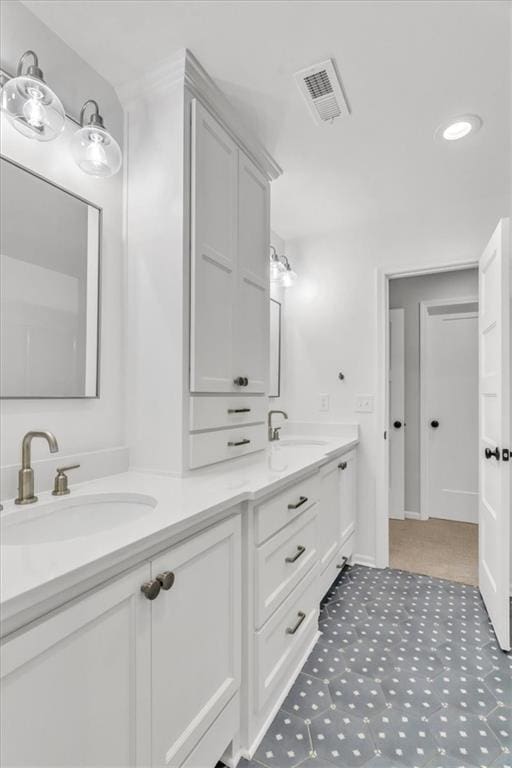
[324, 402]
[364, 404]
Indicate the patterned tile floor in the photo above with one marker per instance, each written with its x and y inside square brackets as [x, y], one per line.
[407, 673]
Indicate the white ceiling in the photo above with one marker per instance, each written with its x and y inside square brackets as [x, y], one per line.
[406, 67]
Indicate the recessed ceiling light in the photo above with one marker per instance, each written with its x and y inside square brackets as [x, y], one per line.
[459, 127]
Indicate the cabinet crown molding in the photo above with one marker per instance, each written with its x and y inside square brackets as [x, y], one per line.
[184, 69]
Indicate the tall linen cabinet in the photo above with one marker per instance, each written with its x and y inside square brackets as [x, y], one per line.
[197, 242]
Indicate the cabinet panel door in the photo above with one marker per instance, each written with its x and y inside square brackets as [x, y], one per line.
[348, 495]
[213, 245]
[252, 319]
[195, 639]
[75, 686]
[330, 512]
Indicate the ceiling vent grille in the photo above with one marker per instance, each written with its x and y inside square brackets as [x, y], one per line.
[322, 91]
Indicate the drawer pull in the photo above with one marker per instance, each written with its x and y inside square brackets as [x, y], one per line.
[151, 589]
[343, 465]
[292, 630]
[302, 500]
[239, 410]
[300, 551]
[231, 444]
[342, 565]
[166, 579]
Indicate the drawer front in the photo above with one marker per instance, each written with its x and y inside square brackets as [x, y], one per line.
[332, 569]
[281, 509]
[222, 444]
[284, 637]
[282, 562]
[215, 412]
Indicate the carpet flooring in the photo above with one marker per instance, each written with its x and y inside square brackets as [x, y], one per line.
[440, 548]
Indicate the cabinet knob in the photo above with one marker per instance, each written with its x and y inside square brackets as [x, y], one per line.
[151, 589]
[241, 381]
[343, 465]
[166, 579]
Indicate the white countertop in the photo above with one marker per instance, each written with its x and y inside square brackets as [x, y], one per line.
[39, 574]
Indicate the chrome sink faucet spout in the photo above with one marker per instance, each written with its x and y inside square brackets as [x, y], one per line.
[26, 473]
[273, 432]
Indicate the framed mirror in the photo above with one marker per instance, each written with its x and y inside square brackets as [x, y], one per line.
[275, 349]
[50, 287]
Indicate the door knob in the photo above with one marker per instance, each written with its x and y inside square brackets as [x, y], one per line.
[151, 589]
[166, 579]
[434, 423]
[397, 424]
[495, 453]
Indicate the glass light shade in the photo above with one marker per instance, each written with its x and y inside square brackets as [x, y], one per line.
[289, 278]
[33, 108]
[96, 152]
[277, 269]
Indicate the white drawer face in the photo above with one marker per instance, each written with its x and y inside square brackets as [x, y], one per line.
[282, 562]
[214, 412]
[281, 509]
[210, 447]
[284, 637]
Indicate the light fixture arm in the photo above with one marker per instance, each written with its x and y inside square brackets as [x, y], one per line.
[32, 69]
[95, 117]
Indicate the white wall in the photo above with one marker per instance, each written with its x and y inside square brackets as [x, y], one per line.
[407, 293]
[79, 425]
[331, 322]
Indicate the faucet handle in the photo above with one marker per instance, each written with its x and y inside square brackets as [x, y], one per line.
[60, 487]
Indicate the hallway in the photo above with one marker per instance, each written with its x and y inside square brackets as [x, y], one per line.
[444, 549]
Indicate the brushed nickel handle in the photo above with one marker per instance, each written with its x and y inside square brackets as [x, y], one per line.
[300, 551]
[166, 579]
[239, 442]
[60, 484]
[344, 561]
[151, 589]
[343, 465]
[292, 630]
[302, 500]
[239, 410]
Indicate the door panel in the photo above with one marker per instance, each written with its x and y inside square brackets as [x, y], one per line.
[252, 317]
[450, 379]
[396, 414]
[495, 430]
[195, 639]
[213, 245]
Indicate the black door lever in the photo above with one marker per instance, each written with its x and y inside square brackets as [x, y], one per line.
[495, 453]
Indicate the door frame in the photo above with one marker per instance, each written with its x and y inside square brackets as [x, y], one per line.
[424, 314]
[383, 276]
[401, 512]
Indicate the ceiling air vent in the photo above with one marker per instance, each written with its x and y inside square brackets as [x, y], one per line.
[322, 91]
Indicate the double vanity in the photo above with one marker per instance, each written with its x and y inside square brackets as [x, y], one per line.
[151, 620]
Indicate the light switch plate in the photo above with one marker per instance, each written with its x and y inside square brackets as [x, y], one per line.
[364, 404]
[324, 402]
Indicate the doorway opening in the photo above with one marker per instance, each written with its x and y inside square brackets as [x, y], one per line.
[433, 425]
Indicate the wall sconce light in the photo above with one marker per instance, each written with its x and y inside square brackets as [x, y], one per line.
[30, 105]
[95, 151]
[281, 273]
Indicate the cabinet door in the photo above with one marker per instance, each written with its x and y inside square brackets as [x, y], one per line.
[195, 640]
[252, 316]
[330, 512]
[213, 244]
[348, 495]
[75, 686]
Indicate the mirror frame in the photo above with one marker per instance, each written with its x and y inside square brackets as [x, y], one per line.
[279, 304]
[96, 396]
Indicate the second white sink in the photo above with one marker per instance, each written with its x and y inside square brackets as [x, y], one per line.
[73, 518]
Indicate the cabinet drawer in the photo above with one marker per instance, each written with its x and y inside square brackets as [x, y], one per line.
[210, 447]
[214, 412]
[284, 637]
[278, 511]
[282, 562]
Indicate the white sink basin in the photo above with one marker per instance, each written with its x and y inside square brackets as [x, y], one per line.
[299, 441]
[65, 519]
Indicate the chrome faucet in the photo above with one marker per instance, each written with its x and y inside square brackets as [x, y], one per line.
[26, 473]
[273, 432]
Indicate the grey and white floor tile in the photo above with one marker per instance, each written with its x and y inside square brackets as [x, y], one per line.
[406, 674]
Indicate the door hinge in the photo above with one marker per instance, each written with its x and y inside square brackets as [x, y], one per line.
[385, 434]
[505, 455]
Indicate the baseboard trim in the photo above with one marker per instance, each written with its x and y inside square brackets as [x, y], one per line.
[364, 560]
[409, 515]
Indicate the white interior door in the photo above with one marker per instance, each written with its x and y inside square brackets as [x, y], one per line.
[449, 416]
[495, 430]
[396, 414]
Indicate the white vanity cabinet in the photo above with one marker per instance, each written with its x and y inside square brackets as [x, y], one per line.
[115, 679]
